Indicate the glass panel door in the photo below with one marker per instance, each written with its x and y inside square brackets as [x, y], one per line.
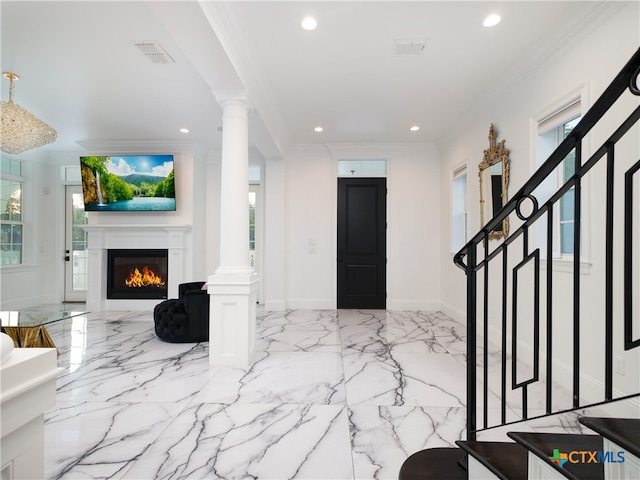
[255, 234]
[76, 254]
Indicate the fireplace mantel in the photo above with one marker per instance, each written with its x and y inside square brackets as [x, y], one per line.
[175, 238]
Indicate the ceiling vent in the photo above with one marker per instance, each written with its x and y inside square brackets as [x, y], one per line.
[154, 52]
[408, 47]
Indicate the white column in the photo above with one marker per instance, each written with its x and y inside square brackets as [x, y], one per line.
[234, 285]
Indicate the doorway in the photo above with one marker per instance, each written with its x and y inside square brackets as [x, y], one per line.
[362, 243]
[75, 284]
[255, 234]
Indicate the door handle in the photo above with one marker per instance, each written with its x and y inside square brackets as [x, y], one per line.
[66, 257]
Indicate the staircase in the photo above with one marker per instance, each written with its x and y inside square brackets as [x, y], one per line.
[505, 390]
[612, 452]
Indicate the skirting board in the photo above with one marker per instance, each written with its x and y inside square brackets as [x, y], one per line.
[275, 306]
[311, 304]
[591, 388]
[413, 305]
[393, 305]
[27, 302]
[455, 313]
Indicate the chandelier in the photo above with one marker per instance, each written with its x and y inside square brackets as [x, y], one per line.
[20, 129]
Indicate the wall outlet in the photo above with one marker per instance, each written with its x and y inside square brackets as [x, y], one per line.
[619, 365]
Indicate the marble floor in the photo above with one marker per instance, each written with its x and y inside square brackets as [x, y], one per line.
[333, 394]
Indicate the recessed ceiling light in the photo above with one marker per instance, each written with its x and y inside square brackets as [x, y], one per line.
[184, 130]
[492, 20]
[415, 128]
[318, 129]
[309, 23]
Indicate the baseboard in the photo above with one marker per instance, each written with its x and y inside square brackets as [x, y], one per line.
[310, 304]
[591, 388]
[123, 305]
[628, 408]
[413, 305]
[26, 302]
[455, 313]
[275, 305]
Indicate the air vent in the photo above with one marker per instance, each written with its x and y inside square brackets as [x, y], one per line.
[154, 52]
[408, 47]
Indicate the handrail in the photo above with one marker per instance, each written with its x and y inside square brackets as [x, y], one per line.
[476, 257]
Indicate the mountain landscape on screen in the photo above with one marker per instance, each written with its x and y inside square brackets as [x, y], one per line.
[135, 183]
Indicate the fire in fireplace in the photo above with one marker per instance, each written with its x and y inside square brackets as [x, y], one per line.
[137, 274]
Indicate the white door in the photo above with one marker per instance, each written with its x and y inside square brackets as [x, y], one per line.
[75, 246]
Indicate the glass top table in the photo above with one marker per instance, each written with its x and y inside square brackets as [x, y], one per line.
[37, 317]
[27, 327]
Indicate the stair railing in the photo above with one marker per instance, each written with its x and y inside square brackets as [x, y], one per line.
[524, 251]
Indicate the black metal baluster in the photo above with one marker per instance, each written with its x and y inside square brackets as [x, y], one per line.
[608, 347]
[471, 343]
[503, 398]
[626, 80]
[549, 308]
[629, 341]
[485, 343]
[576, 275]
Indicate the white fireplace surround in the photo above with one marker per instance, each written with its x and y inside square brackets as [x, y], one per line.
[174, 238]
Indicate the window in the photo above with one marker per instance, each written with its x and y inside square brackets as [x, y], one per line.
[11, 212]
[252, 228]
[551, 131]
[459, 208]
[362, 168]
[255, 177]
[567, 202]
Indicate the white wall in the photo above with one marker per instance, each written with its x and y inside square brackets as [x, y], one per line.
[273, 277]
[41, 279]
[593, 62]
[36, 280]
[413, 217]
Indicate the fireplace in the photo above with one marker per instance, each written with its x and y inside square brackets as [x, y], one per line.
[137, 274]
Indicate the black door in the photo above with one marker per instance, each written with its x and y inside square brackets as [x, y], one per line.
[362, 243]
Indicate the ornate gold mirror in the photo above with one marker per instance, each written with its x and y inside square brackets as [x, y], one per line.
[494, 180]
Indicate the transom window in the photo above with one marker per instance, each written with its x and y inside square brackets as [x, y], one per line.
[362, 168]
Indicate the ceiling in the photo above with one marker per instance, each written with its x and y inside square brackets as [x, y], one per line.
[81, 72]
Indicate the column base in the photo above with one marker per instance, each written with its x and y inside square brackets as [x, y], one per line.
[232, 319]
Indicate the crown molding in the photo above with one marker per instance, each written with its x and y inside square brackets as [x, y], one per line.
[540, 55]
[375, 151]
[122, 147]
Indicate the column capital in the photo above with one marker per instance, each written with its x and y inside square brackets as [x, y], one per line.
[233, 97]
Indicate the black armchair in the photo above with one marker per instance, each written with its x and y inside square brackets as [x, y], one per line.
[185, 319]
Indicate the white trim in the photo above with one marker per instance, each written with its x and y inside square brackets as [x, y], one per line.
[275, 306]
[311, 304]
[565, 264]
[591, 388]
[571, 105]
[455, 174]
[413, 305]
[359, 151]
[456, 314]
[458, 169]
[27, 240]
[562, 114]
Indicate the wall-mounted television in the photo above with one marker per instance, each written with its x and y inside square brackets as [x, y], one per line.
[128, 183]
